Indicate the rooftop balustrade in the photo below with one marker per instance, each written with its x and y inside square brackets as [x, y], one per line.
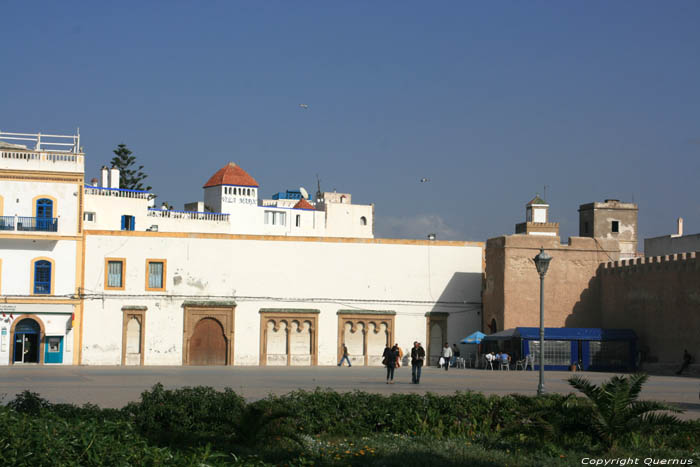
[57, 153]
[15, 159]
[188, 215]
[118, 192]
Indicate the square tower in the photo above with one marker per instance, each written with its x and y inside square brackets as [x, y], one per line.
[613, 220]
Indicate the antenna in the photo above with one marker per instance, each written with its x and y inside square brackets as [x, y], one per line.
[545, 193]
[318, 189]
[304, 193]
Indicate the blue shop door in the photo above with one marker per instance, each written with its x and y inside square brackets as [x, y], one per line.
[53, 353]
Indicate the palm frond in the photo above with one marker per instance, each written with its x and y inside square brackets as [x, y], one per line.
[637, 380]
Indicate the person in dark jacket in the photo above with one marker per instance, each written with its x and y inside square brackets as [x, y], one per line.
[390, 356]
[417, 358]
[345, 356]
[687, 359]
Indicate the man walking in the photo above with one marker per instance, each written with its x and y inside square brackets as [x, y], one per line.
[447, 355]
[417, 357]
[345, 356]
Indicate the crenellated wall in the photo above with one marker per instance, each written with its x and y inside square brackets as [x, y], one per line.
[658, 297]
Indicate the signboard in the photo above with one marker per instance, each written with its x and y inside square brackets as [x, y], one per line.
[36, 308]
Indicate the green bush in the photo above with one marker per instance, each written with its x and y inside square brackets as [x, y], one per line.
[187, 416]
[192, 426]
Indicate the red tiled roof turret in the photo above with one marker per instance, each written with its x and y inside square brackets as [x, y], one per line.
[231, 174]
[303, 204]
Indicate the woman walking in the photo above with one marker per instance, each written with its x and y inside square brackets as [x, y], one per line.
[390, 356]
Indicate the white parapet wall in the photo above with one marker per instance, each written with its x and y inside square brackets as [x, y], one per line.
[404, 279]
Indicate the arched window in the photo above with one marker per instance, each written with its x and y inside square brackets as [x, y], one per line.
[42, 277]
[342, 199]
[235, 191]
[363, 220]
[248, 192]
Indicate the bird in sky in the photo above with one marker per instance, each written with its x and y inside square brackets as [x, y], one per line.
[423, 180]
[304, 106]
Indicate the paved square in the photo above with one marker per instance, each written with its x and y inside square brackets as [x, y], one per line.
[112, 386]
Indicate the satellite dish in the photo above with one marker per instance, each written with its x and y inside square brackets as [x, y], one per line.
[304, 193]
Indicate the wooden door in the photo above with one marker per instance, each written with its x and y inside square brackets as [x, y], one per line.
[208, 344]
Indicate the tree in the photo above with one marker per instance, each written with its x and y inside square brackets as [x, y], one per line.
[617, 410]
[130, 177]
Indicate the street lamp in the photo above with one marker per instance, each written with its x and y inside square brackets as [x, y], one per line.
[542, 263]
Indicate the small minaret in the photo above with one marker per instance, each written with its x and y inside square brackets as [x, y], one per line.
[537, 219]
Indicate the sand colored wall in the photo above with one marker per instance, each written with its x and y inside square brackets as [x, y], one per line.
[572, 296]
[658, 297]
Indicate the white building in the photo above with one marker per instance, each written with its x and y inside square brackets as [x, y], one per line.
[230, 205]
[41, 244]
[234, 280]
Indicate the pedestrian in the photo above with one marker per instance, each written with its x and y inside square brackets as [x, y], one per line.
[390, 362]
[417, 357]
[447, 355]
[687, 358]
[399, 354]
[455, 354]
[345, 357]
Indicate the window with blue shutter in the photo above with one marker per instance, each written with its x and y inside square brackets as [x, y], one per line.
[128, 223]
[155, 275]
[42, 277]
[115, 274]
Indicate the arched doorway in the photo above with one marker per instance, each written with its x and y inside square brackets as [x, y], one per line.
[208, 343]
[26, 342]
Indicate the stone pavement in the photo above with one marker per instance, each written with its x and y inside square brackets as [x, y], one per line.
[114, 386]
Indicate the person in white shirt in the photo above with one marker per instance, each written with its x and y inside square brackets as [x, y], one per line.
[447, 355]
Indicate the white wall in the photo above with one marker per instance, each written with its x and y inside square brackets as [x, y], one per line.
[18, 198]
[343, 220]
[324, 275]
[17, 255]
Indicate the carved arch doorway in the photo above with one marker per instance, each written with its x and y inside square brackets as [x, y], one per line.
[208, 333]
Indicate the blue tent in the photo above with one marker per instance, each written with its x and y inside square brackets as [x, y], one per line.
[473, 338]
[593, 348]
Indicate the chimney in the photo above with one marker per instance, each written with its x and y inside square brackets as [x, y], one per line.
[680, 227]
[114, 177]
[104, 172]
[93, 182]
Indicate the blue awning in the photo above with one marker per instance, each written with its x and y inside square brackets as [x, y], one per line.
[572, 334]
[473, 338]
[578, 334]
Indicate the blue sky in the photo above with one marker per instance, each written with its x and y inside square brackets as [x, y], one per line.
[490, 101]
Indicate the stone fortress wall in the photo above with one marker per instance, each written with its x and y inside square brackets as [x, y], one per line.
[658, 297]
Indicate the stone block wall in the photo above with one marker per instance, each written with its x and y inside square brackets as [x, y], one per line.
[658, 297]
[572, 296]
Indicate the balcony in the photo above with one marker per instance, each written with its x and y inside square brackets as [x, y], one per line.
[28, 224]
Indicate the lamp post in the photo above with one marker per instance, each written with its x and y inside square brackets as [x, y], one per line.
[542, 263]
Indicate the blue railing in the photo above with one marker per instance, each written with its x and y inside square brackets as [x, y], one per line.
[37, 224]
[7, 222]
